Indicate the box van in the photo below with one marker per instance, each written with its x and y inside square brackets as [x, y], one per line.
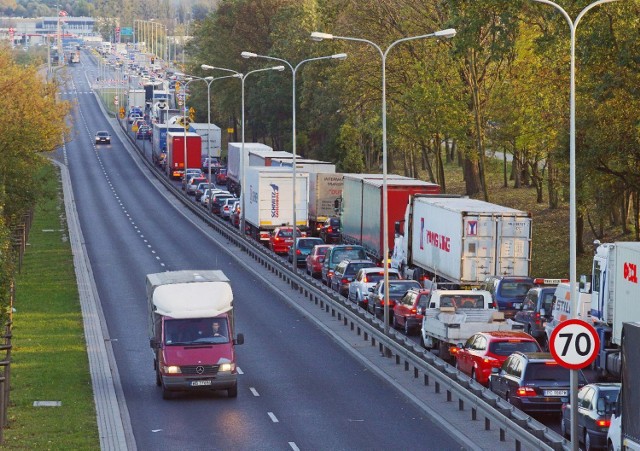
[336, 254]
[561, 307]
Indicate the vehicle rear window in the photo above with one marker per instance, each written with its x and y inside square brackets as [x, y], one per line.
[514, 289]
[285, 233]
[506, 348]
[307, 244]
[541, 371]
[348, 254]
[334, 222]
[399, 288]
[352, 269]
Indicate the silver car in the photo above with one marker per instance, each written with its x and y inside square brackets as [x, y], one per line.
[365, 279]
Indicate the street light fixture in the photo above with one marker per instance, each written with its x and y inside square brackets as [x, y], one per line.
[573, 24]
[294, 70]
[318, 36]
[242, 168]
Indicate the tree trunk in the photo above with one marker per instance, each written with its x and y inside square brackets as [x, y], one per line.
[579, 233]
[471, 177]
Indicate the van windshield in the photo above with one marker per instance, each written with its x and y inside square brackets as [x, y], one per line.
[194, 331]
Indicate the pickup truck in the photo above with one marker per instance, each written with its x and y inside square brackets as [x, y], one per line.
[452, 316]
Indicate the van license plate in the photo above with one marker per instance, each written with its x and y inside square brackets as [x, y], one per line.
[555, 392]
[200, 383]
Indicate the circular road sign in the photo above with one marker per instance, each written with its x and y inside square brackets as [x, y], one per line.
[574, 344]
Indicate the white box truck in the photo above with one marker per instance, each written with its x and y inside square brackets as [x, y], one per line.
[325, 192]
[461, 241]
[269, 200]
[211, 138]
[234, 173]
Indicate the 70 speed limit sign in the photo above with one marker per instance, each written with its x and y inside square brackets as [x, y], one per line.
[574, 344]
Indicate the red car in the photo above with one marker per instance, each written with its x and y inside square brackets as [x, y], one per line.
[282, 239]
[315, 258]
[487, 350]
[221, 177]
[408, 311]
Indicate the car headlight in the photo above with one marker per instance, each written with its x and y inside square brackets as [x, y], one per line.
[172, 369]
[227, 367]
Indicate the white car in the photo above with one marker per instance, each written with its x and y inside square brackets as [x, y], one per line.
[209, 193]
[365, 279]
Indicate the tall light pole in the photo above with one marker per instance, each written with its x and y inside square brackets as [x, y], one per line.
[294, 70]
[573, 24]
[317, 36]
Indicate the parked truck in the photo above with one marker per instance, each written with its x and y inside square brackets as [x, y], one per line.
[176, 151]
[451, 317]
[269, 200]
[211, 138]
[615, 293]
[461, 241]
[192, 331]
[325, 192]
[159, 142]
[234, 174]
[362, 212]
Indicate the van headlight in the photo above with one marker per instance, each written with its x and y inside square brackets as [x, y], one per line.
[227, 367]
[172, 369]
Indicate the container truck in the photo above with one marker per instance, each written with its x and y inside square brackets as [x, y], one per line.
[159, 142]
[325, 190]
[234, 173]
[136, 99]
[192, 331]
[615, 297]
[269, 201]
[460, 241]
[175, 152]
[211, 138]
[362, 212]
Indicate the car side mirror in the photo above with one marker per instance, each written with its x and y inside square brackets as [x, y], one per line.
[153, 343]
[543, 312]
[239, 339]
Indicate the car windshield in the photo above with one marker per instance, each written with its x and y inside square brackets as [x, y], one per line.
[506, 348]
[193, 331]
[348, 254]
[549, 371]
[514, 289]
[103, 134]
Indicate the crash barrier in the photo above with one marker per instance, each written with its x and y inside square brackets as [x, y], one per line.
[481, 404]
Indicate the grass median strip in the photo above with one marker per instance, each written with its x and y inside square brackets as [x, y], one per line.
[49, 357]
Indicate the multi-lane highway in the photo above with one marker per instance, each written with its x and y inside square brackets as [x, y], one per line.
[298, 389]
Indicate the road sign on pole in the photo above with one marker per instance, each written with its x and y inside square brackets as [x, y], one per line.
[574, 344]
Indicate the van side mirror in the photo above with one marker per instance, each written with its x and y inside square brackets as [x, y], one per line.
[153, 343]
[239, 340]
[543, 312]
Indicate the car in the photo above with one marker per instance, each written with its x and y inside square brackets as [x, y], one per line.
[409, 311]
[536, 308]
[304, 245]
[227, 207]
[191, 172]
[330, 231]
[134, 116]
[365, 279]
[346, 272]
[213, 162]
[484, 351]
[103, 137]
[208, 195]
[596, 403]
[221, 176]
[508, 292]
[236, 213]
[314, 260]
[335, 255]
[533, 382]
[281, 239]
[218, 200]
[200, 190]
[397, 289]
[144, 132]
[193, 184]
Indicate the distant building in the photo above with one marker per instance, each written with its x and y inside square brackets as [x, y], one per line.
[33, 31]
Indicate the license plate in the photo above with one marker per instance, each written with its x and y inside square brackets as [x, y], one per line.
[200, 383]
[556, 392]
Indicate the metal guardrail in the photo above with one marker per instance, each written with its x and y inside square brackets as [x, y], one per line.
[481, 403]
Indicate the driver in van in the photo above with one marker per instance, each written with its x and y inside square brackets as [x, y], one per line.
[217, 330]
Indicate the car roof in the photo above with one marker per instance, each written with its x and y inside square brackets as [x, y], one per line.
[100, 132]
[507, 335]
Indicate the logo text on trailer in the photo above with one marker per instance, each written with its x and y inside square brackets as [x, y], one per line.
[275, 200]
[630, 272]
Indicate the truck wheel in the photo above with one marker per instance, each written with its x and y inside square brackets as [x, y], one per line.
[394, 323]
[443, 351]
[233, 391]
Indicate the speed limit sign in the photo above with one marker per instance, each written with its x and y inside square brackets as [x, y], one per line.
[574, 344]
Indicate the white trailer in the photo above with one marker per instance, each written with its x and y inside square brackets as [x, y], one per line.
[461, 241]
[269, 201]
[615, 295]
[233, 162]
[211, 138]
[325, 190]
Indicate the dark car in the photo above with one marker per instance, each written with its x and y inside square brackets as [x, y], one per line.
[346, 272]
[330, 231]
[536, 308]
[335, 255]
[304, 245]
[596, 403]
[533, 382]
[103, 137]
[144, 132]
[508, 292]
[397, 290]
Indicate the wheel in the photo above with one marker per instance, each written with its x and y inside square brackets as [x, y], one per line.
[394, 323]
[233, 391]
[158, 378]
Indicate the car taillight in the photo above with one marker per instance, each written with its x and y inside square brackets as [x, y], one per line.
[453, 350]
[414, 311]
[344, 280]
[491, 361]
[330, 273]
[525, 391]
[365, 280]
[603, 423]
[329, 230]
[298, 252]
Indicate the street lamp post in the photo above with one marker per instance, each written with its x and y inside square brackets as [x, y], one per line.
[573, 24]
[294, 70]
[317, 36]
[242, 178]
